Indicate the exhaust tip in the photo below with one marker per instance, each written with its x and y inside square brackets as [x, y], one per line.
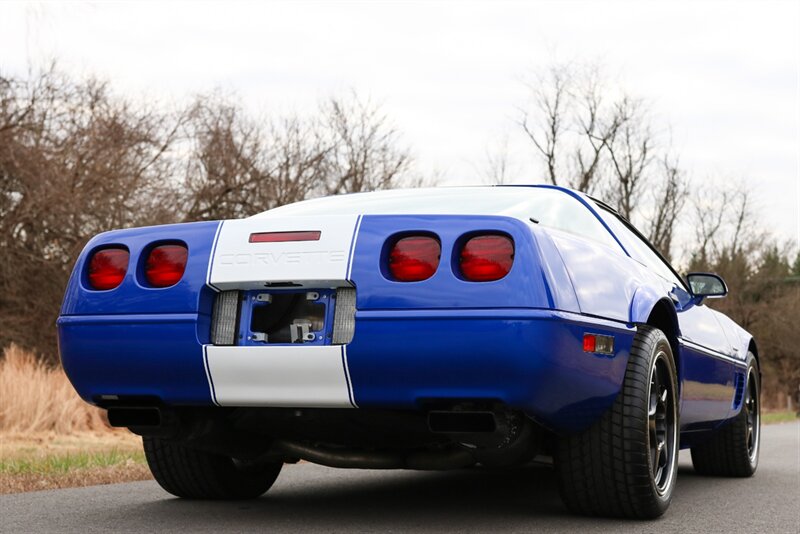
[452, 422]
[138, 417]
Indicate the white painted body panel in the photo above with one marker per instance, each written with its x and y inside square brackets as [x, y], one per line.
[279, 376]
[239, 264]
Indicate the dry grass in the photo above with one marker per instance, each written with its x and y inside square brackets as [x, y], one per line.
[47, 460]
[50, 438]
[128, 471]
[38, 398]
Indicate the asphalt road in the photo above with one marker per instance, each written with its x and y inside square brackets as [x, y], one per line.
[308, 498]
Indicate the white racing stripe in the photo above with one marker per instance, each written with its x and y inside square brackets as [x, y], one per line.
[211, 257]
[239, 264]
[280, 376]
[299, 376]
[353, 248]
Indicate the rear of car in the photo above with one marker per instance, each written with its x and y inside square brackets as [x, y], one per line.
[426, 329]
[398, 311]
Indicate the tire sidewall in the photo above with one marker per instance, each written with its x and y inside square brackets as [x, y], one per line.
[662, 345]
[753, 370]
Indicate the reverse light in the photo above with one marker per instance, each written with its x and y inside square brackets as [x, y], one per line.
[485, 258]
[223, 318]
[344, 318]
[107, 268]
[414, 258]
[598, 343]
[165, 265]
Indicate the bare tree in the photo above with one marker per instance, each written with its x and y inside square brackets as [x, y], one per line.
[546, 125]
[498, 169]
[764, 296]
[239, 166]
[365, 149]
[630, 152]
[669, 199]
[596, 126]
[74, 161]
[593, 142]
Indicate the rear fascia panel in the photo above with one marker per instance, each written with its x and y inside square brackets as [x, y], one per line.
[139, 340]
[137, 355]
[529, 359]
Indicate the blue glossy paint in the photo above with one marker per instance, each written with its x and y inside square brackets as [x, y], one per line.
[645, 299]
[156, 355]
[699, 325]
[524, 286]
[708, 389]
[557, 279]
[604, 279]
[529, 359]
[133, 295]
[139, 340]
[517, 340]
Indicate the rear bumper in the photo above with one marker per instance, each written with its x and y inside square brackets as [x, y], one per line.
[156, 356]
[527, 359]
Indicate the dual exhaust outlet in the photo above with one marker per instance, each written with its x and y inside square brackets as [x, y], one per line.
[477, 436]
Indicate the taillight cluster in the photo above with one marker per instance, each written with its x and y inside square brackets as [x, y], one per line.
[487, 257]
[481, 258]
[164, 266]
[107, 268]
[414, 258]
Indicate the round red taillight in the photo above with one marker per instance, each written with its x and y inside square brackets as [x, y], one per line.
[414, 258]
[165, 265]
[107, 268]
[487, 257]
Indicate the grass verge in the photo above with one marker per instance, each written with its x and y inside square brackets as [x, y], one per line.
[59, 465]
[51, 461]
[769, 418]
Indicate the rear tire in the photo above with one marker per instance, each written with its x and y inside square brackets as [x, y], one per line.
[733, 450]
[625, 465]
[194, 474]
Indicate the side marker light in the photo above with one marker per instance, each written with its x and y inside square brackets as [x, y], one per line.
[598, 343]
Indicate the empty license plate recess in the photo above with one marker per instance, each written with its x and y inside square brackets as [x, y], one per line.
[284, 317]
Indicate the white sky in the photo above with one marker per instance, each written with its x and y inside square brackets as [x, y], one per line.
[724, 75]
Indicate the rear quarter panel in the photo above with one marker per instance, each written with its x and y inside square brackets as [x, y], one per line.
[523, 287]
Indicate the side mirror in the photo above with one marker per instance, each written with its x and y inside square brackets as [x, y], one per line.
[707, 285]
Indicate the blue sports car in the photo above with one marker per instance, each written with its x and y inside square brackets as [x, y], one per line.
[438, 328]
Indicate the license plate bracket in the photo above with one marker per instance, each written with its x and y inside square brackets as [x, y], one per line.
[286, 317]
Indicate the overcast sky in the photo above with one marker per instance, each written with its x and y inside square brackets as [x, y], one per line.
[724, 75]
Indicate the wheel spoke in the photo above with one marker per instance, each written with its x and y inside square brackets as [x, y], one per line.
[751, 409]
[660, 423]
